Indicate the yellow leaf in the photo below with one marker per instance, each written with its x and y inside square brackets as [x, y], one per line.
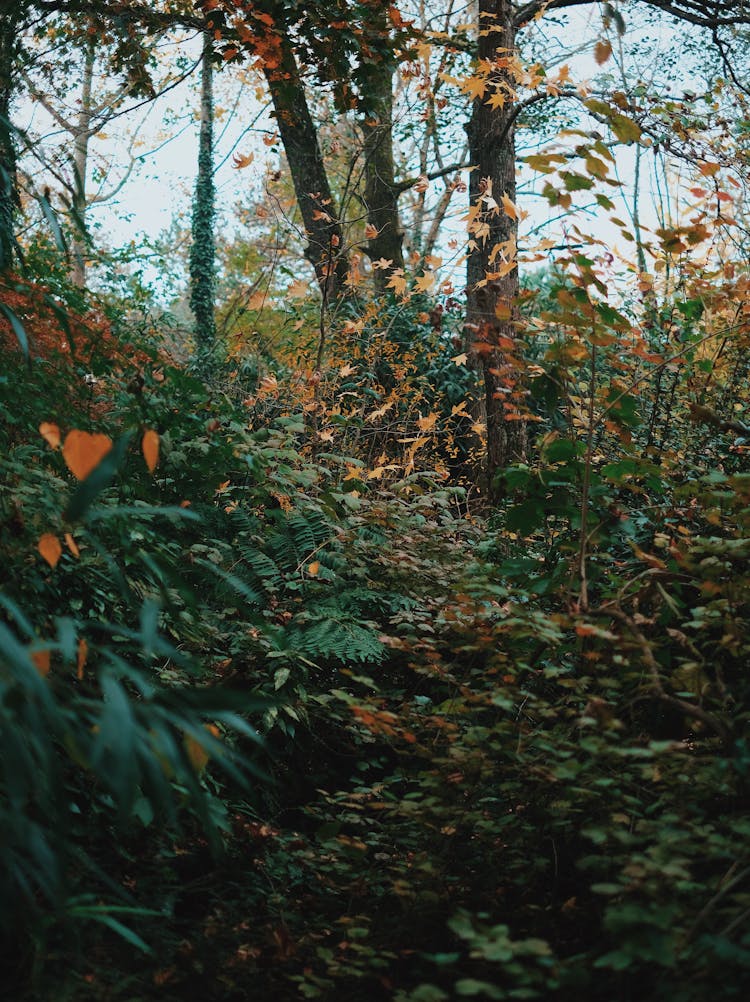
[42, 661]
[346, 370]
[427, 423]
[72, 545]
[460, 359]
[313, 568]
[240, 161]
[150, 448]
[83, 451]
[602, 52]
[197, 754]
[50, 433]
[83, 653]
[50, 548]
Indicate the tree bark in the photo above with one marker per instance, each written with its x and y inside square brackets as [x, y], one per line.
[81, 139]
[203, 249]
[325, 249]
[381, 190]
[11, 14]
[492, 273]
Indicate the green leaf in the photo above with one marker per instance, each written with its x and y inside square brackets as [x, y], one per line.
[18, 329]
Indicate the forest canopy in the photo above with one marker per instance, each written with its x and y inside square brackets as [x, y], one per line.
[375, 613]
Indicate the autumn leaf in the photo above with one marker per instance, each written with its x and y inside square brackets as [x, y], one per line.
[509, 207]
[72, 545]
[83, 451]
[150, 448]
[199, 757]
[602, 52]
[42, 662]
[423, 283]
[50, 433]
[50, 548]
[313, 568]
[460, 359]
[298, 289]
[709, 169]
[397, 282]
[83, 653]
[427, 423]
[371, 231]
[239, 162]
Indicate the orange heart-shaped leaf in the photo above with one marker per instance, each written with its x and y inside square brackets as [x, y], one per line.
[150, 447]
[50, 433]
[83, 451]
[50, 548]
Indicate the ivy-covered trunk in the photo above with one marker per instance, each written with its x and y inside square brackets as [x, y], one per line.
[325, 249]
[11, 12]
[492, 272]
[203, 249]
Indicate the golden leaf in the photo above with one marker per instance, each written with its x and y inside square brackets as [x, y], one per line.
[313, 568]
[509, 207]
[460, 359]
[423, 283]
[50, 433]
[150, 448]
[83, 451]
[50, 548]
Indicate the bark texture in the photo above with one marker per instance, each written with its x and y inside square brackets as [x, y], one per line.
[325, 249]
[492, 290]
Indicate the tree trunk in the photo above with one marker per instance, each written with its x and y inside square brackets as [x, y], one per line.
[11, 13]
[80, 171]
[492, 274]
[203, 249]
[325, 249]
[381, 191]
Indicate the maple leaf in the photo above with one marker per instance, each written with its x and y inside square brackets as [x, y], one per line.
[397, 282]
[239, 162]
[460, 359]
[423, 283]
[427, 423]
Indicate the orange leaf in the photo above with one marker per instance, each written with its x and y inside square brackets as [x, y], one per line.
[72, 545]
[150, 447]
[50, 548]
[313, 568]
[50, 433]
[42, 661]
[83, 452]
[708, 169]
[83, 653]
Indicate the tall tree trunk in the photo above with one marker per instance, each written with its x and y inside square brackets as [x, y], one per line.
[80, 170]
[325, 249]
[11, 12]
[492, 293]
[381, 190]
[203, 249]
